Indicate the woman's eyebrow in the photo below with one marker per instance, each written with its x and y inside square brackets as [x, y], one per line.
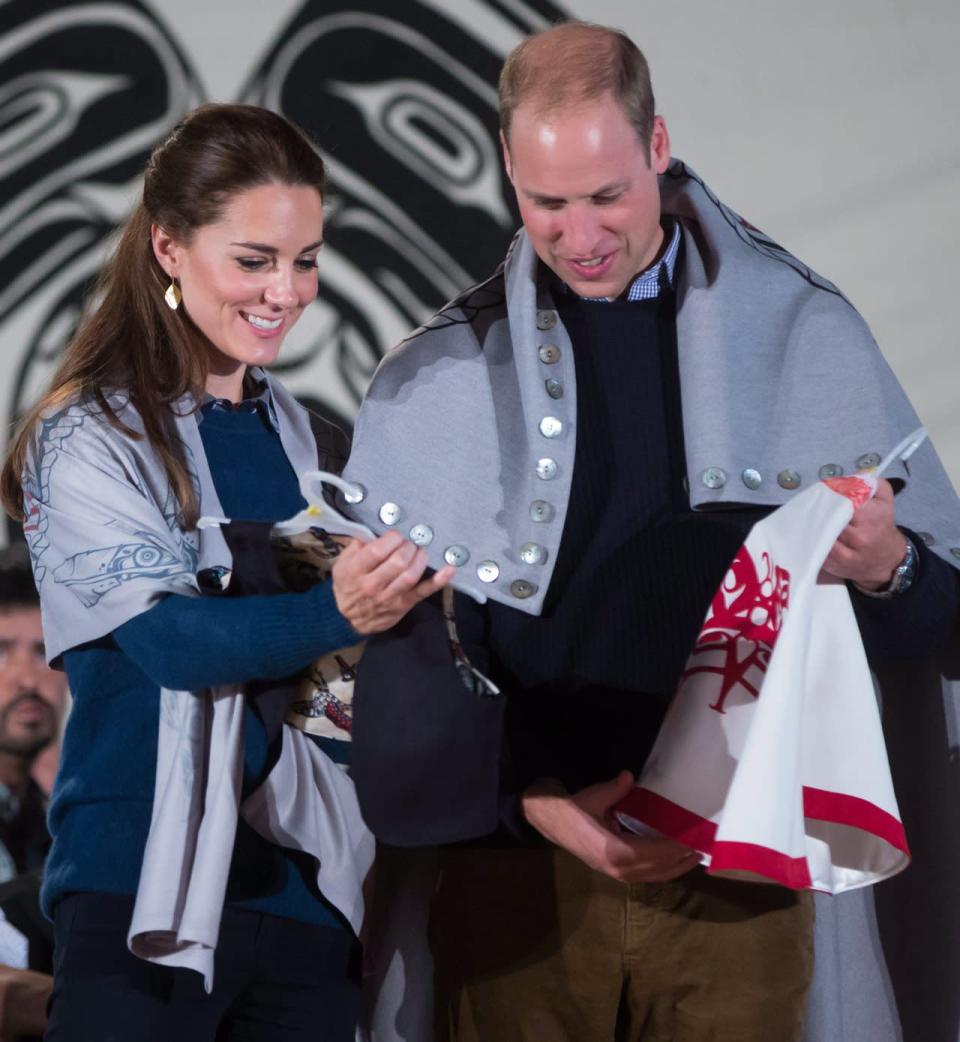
[262, 247]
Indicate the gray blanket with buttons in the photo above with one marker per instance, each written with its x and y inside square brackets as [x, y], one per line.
[466, 441]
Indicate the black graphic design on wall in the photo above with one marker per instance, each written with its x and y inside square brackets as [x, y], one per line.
[86, 90]
[403, 106]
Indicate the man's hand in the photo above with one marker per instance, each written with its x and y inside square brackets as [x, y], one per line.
[871, 546]
[23, 1002]
[375, 584]
[584, 825]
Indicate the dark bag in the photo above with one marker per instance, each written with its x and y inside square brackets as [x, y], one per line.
[426, 741]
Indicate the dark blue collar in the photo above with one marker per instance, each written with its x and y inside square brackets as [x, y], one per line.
[257, 398]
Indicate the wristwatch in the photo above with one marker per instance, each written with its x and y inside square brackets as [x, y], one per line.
[903, 575]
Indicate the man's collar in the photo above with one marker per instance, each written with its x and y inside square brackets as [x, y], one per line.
[648, 284]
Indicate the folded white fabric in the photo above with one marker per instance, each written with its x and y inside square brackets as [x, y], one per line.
[771, 761]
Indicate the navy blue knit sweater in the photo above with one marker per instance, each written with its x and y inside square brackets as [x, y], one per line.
[103, 798]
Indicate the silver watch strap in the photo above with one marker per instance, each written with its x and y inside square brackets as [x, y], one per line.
[903, 575]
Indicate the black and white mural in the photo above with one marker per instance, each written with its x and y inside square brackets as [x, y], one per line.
[85, 92]
[400, 97]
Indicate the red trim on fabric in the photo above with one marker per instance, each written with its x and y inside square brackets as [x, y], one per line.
[669, 818]
[841, 809]
[700, 833]
[682, 825]
[750, 857]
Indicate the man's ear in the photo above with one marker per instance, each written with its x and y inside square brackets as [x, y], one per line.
[166, 249]
[507, 163]
[659, 145]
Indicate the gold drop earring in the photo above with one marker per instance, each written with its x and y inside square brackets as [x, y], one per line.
[172, 296]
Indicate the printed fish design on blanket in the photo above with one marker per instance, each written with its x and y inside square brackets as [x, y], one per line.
[54, 431]
[93, 573]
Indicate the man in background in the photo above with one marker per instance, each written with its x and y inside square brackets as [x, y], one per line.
[32, 699]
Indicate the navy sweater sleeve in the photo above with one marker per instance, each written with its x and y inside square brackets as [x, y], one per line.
[190, 643]
[915, 623]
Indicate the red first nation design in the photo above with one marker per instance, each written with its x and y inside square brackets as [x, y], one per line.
[741, 627]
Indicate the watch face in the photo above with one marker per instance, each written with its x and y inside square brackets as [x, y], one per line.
[903, 577]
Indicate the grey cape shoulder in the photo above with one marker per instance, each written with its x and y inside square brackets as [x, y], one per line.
[470, 314]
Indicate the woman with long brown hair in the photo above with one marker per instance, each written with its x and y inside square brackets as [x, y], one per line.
[158, 414]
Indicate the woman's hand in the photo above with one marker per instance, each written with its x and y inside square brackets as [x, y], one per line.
[375, 584]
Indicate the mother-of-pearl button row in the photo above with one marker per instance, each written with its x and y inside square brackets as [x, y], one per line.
[458, 555]
[541, 510]
[551, 427]
[716, 477]
[789, 478]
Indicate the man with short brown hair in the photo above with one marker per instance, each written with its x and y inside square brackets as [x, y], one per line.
[573, 63]
[587, 438]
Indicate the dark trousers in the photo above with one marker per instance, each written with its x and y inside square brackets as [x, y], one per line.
[275, 980]
[533, 946]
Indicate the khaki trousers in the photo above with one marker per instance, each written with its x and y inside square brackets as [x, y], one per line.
[530, 945]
